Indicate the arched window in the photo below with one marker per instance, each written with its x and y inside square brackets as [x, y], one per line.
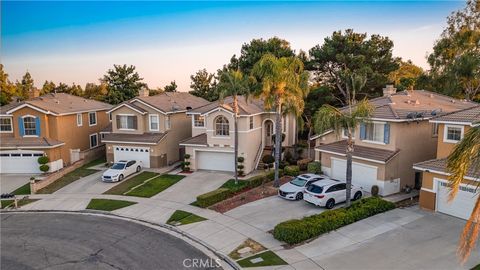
[221, 126]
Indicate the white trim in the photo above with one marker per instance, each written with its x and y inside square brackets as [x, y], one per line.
[221, 137]
[81, 120]
[31, 147]
[174, 112]
[127, 114]
[194, 145]
[90, 140]
[443, 173]
[217, 109]
[359, 163]
[452, 122]
[148, 105]
[202, 150]
[428, 190]
[356, 157]
[168, 123]
[31, 107]
[374, 142]
[70, 113]
[125, 104]
[131, 142]
[204, 121]
[28, 115]
[11, 124]
[321, 135]
[399, 120]
[96, 119]
[150, 122]
[445, 133]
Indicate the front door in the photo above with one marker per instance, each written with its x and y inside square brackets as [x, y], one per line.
[268, 133]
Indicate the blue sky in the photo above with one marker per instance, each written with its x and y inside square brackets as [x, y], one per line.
[78, 41]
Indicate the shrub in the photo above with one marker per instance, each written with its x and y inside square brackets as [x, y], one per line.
[44, 168]
[303, 163]
[187, 163]
[186, 156]
[240, 159]
[240, 166]
[314, 167]
[282, 164]
[288, 157]
[240, 173]
[213, 197]
[298, 230]
[268, 159]
[43, 160]
[265, 166]
[374, 190]
[292, 170]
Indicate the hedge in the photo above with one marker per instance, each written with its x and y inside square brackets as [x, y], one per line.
[213, 197]
[314, 167]
[292, 170]
[298, 230]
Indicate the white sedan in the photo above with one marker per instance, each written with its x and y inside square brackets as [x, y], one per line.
[329, 192]
[120, 170]
[293, 190]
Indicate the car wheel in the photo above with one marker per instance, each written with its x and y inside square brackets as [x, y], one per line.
[138, 168]
[330, 204]
[299, 196]
[120, 178]
[357, 196]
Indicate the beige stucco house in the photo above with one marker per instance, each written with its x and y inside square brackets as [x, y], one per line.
[149, 128]
[398, 135]
[211, 146]
[434, 192]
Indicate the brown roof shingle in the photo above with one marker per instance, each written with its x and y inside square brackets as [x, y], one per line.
[147, 138]
[200, 139]
[173, 101]
[252, 106]
[471, 115]
[39, 142]
[359, 151]
[440, 165]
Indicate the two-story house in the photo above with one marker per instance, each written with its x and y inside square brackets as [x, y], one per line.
[212, 144]
[396, 136]
[434, 192]
[55, 125]
[149, 128]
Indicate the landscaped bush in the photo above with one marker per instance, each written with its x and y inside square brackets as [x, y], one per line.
[374, 190]
[43, 160]
[303, 163]
[213, 197]
[241, 159]
[314, 167]
[292, 170]
[44, 168]
[298, 230]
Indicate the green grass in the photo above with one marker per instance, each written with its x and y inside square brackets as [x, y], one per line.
[269, 259]
[21, 202]
[96, 162]
[155, 185]
[6, 203]
[230, 184]
[108, 205]
[183, 218]
[130, 183]
[23, 190]
[476, 267]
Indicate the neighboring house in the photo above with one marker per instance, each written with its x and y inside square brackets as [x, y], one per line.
[434, 192]
[149, 128]
[212, 144]
[397, 136]
[60, 126]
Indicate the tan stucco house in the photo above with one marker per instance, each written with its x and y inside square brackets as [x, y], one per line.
[398, 135]
[211, 146]
[434, 192]
[149, 128]
[60, 126]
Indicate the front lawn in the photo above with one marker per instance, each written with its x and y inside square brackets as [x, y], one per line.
[130, 183]
[267, 258]
[180, 217]
[10, 203]
[23, 190]
[5, 203]
[108, 205]
[155, 186]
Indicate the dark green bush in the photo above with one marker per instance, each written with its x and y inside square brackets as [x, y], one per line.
[268, 159]
[296, 231]
[186, 156]
[240, 166]
[213, 197]
[283, 164]
[374, 190]
[303, 163]
[44, 168]
[292, 170]
[314, 167]
[43, 160]
[240, 159]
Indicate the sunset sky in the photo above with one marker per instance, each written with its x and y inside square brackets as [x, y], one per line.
[78, 41]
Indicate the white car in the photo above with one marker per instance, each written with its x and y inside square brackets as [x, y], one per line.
[120, 170]
[329, 192]
[293, 190]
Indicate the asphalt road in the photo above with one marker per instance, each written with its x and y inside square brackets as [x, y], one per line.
[70, 241]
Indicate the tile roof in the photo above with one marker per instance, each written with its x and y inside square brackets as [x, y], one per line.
[200, 139]
[173, 101]
[149, 138]
[252, 106]
[359, 151]
[471, 115]
[12, 142]
[440, 166]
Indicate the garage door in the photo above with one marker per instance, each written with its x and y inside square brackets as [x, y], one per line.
[132, 153]
[20, 161]
[215, 161]
[463, 203]
[362, 176]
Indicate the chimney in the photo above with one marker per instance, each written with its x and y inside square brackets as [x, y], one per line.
[143, 92]
[34, 93]
[389, 90]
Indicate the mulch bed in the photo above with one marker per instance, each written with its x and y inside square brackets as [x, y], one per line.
[249, 196]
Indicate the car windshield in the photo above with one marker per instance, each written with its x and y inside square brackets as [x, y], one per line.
[299, 182]
[315, 189]
[118, 166]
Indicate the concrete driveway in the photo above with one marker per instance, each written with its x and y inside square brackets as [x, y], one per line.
[197, 183]
[10, 182]
[91, 184]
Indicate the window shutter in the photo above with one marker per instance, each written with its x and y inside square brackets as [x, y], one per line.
[20, 126]
[135, 122]
[37, 126]
[363, 132]
[118, 121]
[386, 133]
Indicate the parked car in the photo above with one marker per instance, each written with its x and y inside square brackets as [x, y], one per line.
[293, 190]
[120, 170]
[329, 192]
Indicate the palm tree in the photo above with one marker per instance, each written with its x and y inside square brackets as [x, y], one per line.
[283, 84]
[233, 83]
[465, 159]
[340, 120]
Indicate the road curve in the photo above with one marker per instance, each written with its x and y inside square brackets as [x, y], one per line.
[70, 241]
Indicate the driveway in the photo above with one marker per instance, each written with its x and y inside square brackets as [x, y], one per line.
[197, 183]
[10, 182]
[91, 184]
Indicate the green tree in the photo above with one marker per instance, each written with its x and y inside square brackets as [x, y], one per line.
[466, 70]
[123, 83]
[25, 86]
[8, 89]
[329, 117]
[95, 91]
[172, 87]
[204, 85]
[283, 85]
[357, 53]
[406, 76]
[48, 87]
[233, 83]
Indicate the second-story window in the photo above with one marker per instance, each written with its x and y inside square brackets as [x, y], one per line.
[453, 133]
[222, 128]
[79, 120]
[30, 126]
[167, 122]
[435, 129]
[374, 132]
[251, 122]
[92, 118]
[128, 122]
[198, 120]
[154, 126]
[6, 124]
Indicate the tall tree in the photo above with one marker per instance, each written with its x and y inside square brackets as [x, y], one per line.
[233, 83]
[406, 76]
[204, 85]
[357, 53]
[466, 70]
[25, 86]
[283, 84]
[8, 89]
[48, 87]
[172, 87]
[95, 91]
[123, 83]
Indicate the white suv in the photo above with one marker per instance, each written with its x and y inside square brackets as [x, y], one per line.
[329, 192]
[120, 170]
[293, 190]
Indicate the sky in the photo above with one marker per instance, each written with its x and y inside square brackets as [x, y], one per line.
[77, 42]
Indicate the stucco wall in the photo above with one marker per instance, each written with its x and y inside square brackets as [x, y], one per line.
[181, 129]
[445, 148]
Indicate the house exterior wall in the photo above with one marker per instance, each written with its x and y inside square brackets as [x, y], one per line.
[125, 110]
[180, 130]
[445, 148]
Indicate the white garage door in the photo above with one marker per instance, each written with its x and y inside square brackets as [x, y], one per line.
[215, 161]
[20, 161]
[362, 175]
[132, 153]
[463, 203]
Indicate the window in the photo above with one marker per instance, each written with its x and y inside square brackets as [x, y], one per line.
[345, 135]
[79, 120]
[198, 120]
[126, 122]
[251, 122]
[92, 118]
[6, 124]
[453, 134]
[167, 122]
[110, 117]
[435, 129]
[30, 126]
[222, 127]
[374, 132]
[154, 122]
[93, 140]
